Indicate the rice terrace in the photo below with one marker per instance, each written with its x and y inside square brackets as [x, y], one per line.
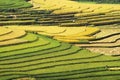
[59, 39]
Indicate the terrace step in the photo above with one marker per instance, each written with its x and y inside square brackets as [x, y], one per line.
[100, 45]
[74, 24]
[15, 34]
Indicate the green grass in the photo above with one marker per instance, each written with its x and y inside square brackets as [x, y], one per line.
[13, 4]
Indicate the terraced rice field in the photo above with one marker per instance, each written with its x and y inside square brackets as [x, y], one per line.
[60, 40]
[63, 13]
[86, 37]
[63, 33]
[106, 42]
[44, 58]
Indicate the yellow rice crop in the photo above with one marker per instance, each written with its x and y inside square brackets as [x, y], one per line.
[75, 37]
[106, 51]
[4, 30]
[68, 40]
[13, 35]
[89, 14]
[107, 32]
[88, 31]
[63, 33]
[68, 6]
[13, 41]
[53, 30]
[50, 29]
[65, 11]
[71, 31]
[117, 43]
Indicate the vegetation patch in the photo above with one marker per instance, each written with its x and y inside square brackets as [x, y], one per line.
[8, 5]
